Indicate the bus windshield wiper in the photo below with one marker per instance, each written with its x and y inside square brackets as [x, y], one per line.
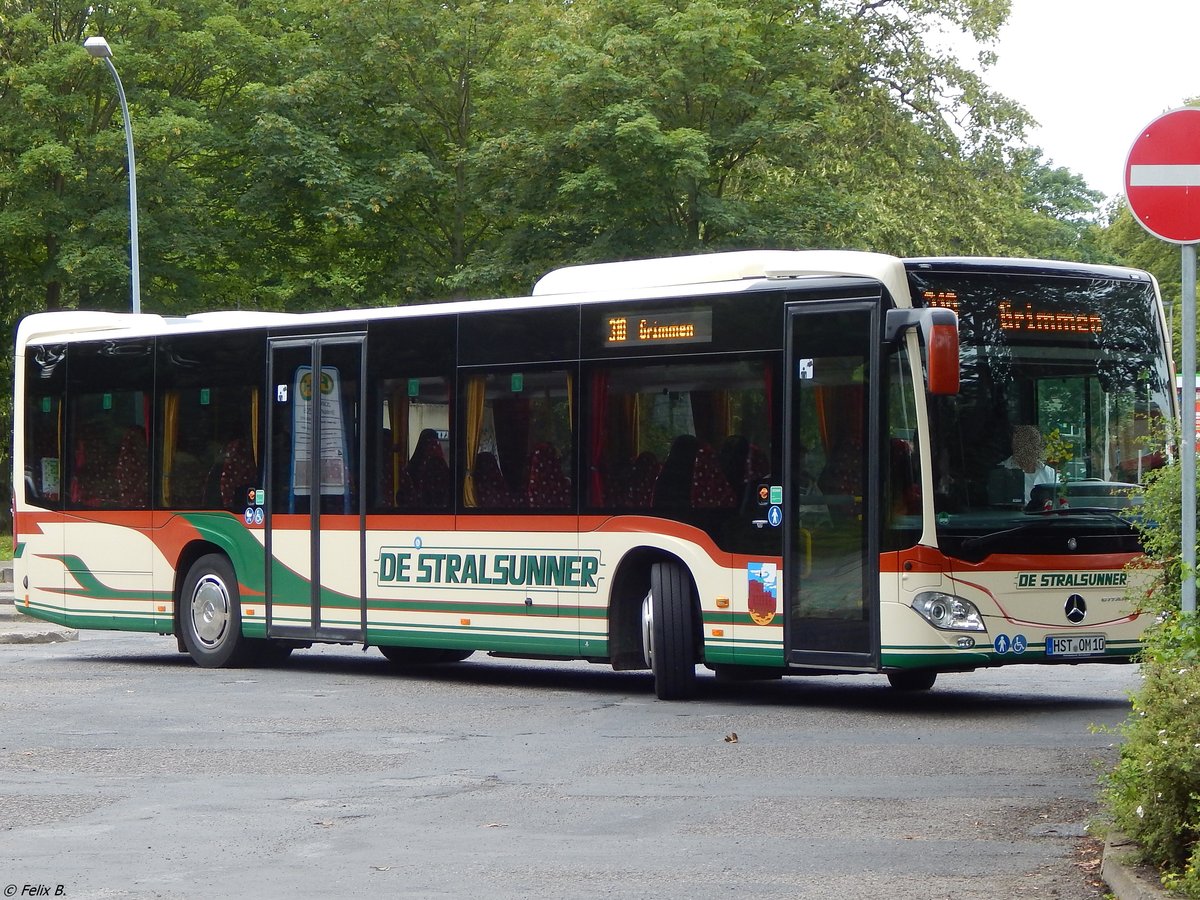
[1068, 511]
[1040, 519]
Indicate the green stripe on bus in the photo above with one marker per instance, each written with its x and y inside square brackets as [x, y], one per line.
[108, 620]
[91, 586]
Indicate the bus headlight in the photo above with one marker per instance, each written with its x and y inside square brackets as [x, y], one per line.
[948, 612]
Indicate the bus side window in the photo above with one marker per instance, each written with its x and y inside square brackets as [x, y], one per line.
[412, 445]
[45, 385]
[901, 469]
[109, 385]
[677, 437]
[208, 422]
[519, 440]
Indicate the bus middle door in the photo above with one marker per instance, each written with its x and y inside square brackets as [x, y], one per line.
[314, 529]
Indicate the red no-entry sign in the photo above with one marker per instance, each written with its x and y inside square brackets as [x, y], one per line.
[1162, 176]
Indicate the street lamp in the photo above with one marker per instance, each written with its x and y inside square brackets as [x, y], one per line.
[98, 47]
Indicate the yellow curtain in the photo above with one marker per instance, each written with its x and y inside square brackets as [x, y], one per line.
[254, 424]
[476, 391]
[62, 447]
[170, 439]
[571, 398]
[399, 423]
[635, 425]
[723, 407]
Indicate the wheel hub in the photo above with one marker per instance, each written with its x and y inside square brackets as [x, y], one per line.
[210, 610]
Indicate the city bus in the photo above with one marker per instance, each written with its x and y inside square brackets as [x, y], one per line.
[764, 463]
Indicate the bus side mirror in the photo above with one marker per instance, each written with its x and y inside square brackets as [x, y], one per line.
[939, 332]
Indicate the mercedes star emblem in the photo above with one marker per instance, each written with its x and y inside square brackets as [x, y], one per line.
[1075, 609]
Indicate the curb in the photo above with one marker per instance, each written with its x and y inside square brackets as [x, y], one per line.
[37, 635]
[1127, 879]
[18, 628]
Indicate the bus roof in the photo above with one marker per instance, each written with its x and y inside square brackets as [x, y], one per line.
[705, 274]
[1025, 266]
[711, 268]
[702, 274]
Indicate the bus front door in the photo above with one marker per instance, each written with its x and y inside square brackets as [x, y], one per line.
[314, 527]
[831, 578]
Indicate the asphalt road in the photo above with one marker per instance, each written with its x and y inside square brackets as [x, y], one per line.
[128, 772]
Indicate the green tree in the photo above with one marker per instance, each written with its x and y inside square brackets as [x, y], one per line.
[1057, 215]
[665, 126]
[63, 179]
[1127, 243]
[375, 160]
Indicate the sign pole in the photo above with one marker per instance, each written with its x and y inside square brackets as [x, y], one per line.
[1188, 337]
[1162, 178]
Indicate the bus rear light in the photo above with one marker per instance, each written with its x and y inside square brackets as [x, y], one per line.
[948, 612]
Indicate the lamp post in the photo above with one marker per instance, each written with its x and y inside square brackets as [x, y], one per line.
[98, 47]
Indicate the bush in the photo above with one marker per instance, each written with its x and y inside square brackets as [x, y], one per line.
[1153, 794]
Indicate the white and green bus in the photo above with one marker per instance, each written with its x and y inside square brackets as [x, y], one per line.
[766, 463]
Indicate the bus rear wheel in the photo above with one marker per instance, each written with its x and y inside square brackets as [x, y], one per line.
[912, 681]
[669, 632]
[211, 615]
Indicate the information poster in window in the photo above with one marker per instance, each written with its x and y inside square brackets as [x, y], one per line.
[50, 476]
[333, 433]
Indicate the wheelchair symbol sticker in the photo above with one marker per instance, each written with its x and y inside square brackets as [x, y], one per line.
[1017, 644]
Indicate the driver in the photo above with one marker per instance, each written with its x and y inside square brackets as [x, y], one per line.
[1028, 448]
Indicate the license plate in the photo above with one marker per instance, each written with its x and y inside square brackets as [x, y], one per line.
[1075, 645]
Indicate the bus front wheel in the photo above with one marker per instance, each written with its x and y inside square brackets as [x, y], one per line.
[669, 632]
[211, 614]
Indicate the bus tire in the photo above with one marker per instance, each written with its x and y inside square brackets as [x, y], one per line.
[918, 680]
[422, 656]
[210, 615]
[669, 629]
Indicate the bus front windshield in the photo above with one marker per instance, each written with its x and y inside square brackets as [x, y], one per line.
[1063, 408]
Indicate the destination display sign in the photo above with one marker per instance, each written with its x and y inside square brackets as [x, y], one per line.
[1027, 318]
[692, 326]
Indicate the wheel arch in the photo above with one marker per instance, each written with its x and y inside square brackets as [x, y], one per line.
[630, 584]
[191, 552]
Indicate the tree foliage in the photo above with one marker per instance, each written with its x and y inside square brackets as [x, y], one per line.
[334, 153]
[339, 153]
